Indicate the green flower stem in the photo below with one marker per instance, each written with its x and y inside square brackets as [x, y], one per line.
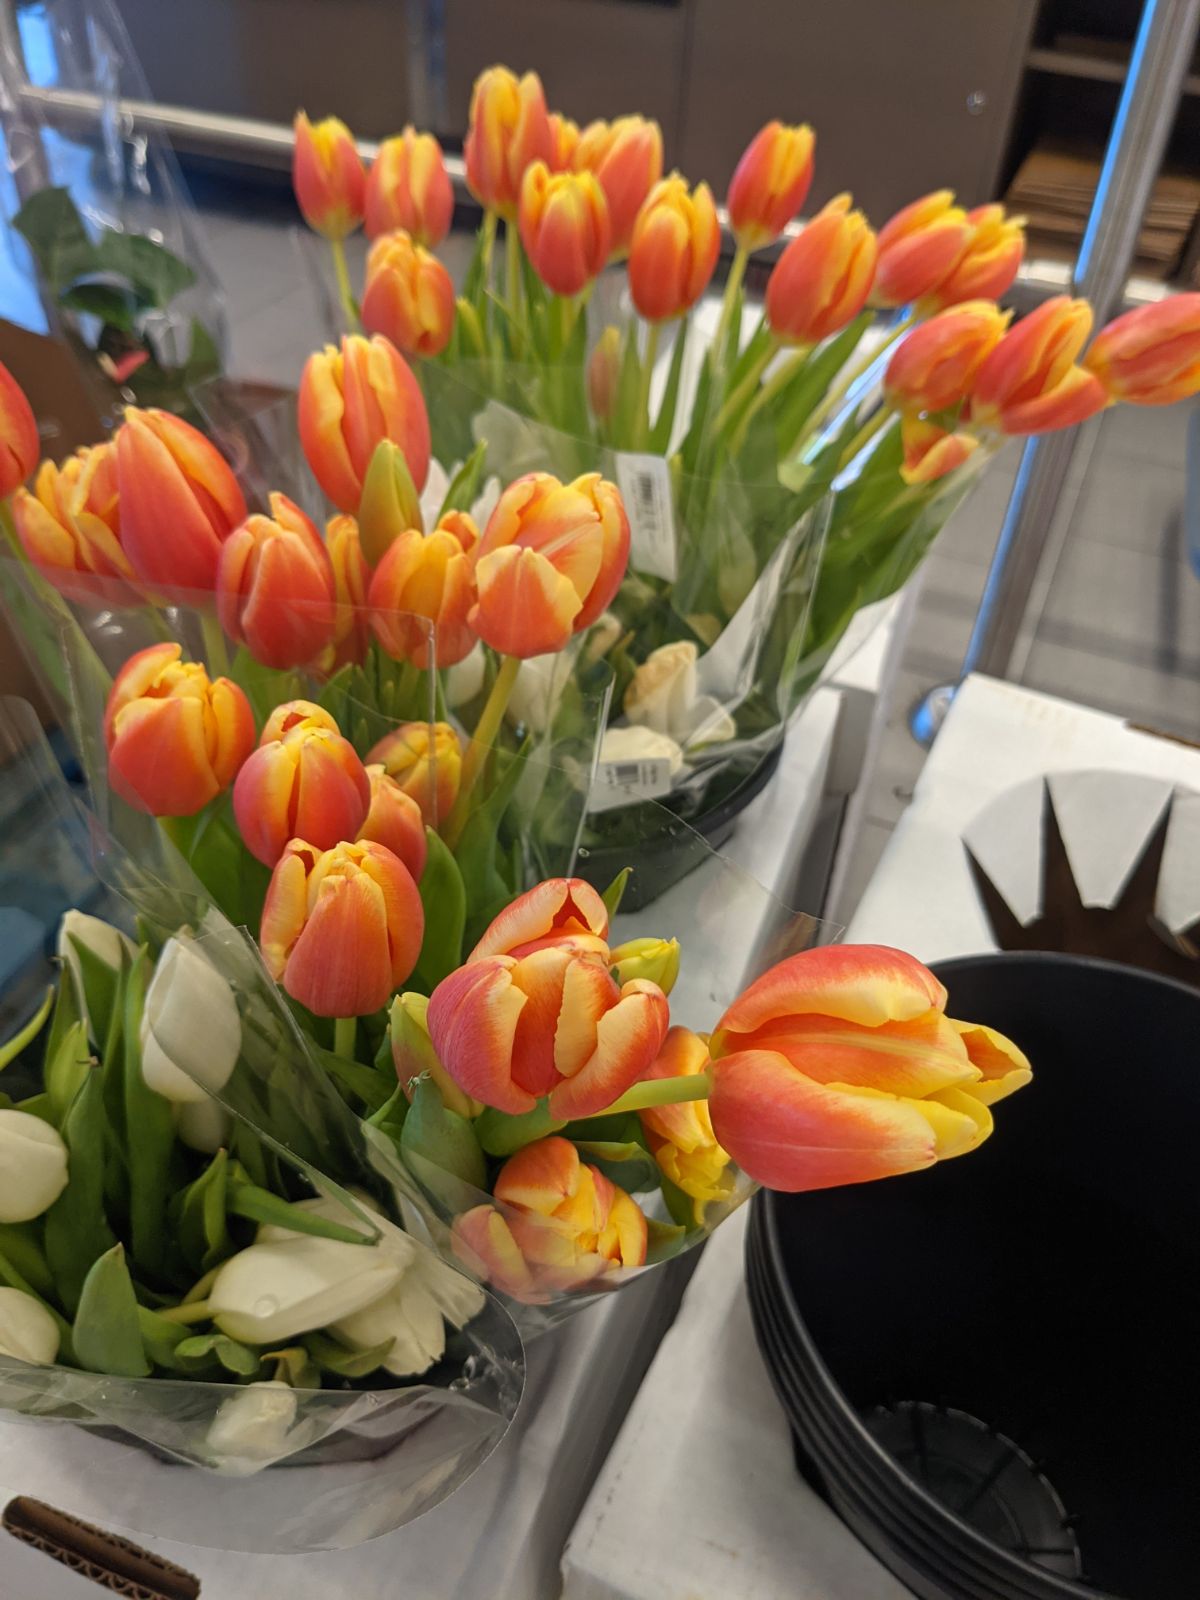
[779, 380]
[643, 405]
[345, 1032]
[737, 399]
[185, 1315]
[865, 434]
[214, 645]
[345, 292]
[489, 243]
[480, 747]
[661, 1092]
[512, 276]
[850, 377]
[737, 271]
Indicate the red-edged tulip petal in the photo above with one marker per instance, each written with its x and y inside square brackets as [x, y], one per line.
[473, 1017]
[627, 1040]
[555, 907]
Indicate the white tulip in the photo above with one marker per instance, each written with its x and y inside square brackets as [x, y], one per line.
[203, 1125]
[464, 679]
[251, 1428]
[602, 635]
[456, 1296]
[105, 942]
[664, 695]
[27, 1330]
[270, 1292]
[191, 1036]
[538, 691]
[33, 1166]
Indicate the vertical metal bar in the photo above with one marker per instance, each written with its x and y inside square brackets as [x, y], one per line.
[22, 136]
[1161, 57]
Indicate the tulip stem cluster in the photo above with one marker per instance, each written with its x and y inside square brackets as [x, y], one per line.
[649, 357]
[733, 284]
[482, 741]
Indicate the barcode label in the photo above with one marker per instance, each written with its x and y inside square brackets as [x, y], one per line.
[645, 485]
[624, 783]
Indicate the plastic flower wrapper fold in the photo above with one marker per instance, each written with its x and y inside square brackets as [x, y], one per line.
[101, 214]
[362, 1458]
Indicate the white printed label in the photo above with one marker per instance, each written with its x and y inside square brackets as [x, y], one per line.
[645, 485]
[624, 783]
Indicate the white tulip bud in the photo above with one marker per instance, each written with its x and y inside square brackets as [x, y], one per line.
[407, 1315]
[33, 1166]
[663, 690]
[27, 1330]
[271, 1292]
[203, 1125]
[464, 679]
[538, 691]
[602, 635]
[251, 1429]
[191, 1036]
[105, 942]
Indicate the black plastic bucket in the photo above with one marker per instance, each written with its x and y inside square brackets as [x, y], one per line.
[991, 1368]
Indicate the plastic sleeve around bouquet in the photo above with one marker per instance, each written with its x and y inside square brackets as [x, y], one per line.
[359, 1461]
[104, 218]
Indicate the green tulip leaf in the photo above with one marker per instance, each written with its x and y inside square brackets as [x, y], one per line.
[65, 1069]
[444, 897]
[391, 1115]
[368, 1085]
[198, 1217]
[442, 1137]
[200, 1350]
[294, 1366]
[502, 1134]
[156, 275]
[77, 1233]
[615, 892]
[344, 1363]
[39, 1105]
[664, 1240]
[660, 434]
[463, 488]
[150, 1129]
[259, 1205]
[107, 1333]
[624, 419]
[21, 1246]
[53, 229]
[629, 1165]
[101, 990]
[26, 1035]
[160, 1338]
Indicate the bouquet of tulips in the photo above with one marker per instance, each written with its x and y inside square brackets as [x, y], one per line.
[782, 466]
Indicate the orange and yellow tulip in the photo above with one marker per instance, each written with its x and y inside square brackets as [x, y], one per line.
[426, 761]
[426, 581]
[673, 250]
[840, 1065]
[179, 500]
[304, 781]
[275, 591]
[409, 296]
[823, 278]
[351, 576]
[69, 526]
[536, 1011]
[19, 448]
[935, 365]
[1031, 383]
[625, 156]
[508, 128]
[930, 451]
[603, 371]
[550, 561]
[394, 819]
[350, 400]
[563, 1226]
[770, 183]
[174, 738]
[1150, 356]
[328, 176]
[408, 187]
[341, 928]
[681, 1136]
[988, 265]
[564, 137]
[919, 248]
[563, 219]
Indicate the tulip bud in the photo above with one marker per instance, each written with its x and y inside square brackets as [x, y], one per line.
[537, 692]
[409, 296]
[508, 128]
[251, 1429]
[27, 1330]
[415, 1057]
[626, 158]
[269, 1293]
[341, 928]
[175, 740]
[564, 137]
[390, 503]
[70, 527]
[303, 782]
[394, 820]
[275, 587]
[681, 1136]
[1150, 356]
[350, 399]
[663, 689]
[424, 587]
[190, 1033]
[988, 266]
[102, 941]
[566, 912]
[411, 1314]
[563, 218]
[426, 761]
[203, 1125]
[351, 575]
[1030, 382]
[18, 435]
[604, 369]
[179, 500]
[652, 960]
[919, 248]
[930, 452]
[673, 250]
[33, 1166]
[440, 1136]
[408, 187]
[822, 279]
[551, 559]
[770, 183]
[328, 176]
[935, 365]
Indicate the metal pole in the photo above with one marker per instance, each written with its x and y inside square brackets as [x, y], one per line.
[1161, 57]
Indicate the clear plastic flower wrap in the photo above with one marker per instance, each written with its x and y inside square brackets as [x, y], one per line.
[268, 1465]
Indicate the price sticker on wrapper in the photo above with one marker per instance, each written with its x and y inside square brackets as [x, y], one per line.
[645, 485]
[624, 783]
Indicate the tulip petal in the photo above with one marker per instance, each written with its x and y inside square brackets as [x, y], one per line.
[959, 1119]
[526, 606]
[473, 1016]
[628, 1038]
[625, 1235]
[338, 966]
[541, 1176]
[588, 991]
[1005, 1068]
[159, 761]
[914, 1058]
[483, 1242]
[556, 906]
